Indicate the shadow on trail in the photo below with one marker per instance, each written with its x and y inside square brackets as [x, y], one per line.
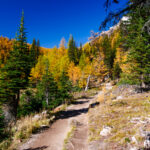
[79, 102]
[74, 113]
[70, 113]
[38, 148]
[83, 97]
[93, 105]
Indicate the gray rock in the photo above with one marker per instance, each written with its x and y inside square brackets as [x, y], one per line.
[147, 141]
[37, 117]
[108, 86]
[119, 97]
[133, 148]
[44, 112]
[106, 131]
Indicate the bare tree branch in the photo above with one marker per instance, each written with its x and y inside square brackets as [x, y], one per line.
[114, 17]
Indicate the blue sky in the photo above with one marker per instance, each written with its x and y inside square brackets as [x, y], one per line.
[50, 20]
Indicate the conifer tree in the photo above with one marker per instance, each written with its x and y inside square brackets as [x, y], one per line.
[109, 54]
[73, 51]
[47, 88]
[15, 73]
[37, 49]
[65, 87]
[79, 52]
[33, 53]
[116, 71]
[137, 42]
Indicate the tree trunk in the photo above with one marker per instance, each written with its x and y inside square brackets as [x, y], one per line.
[87, 84]
[46, 95]
[142, 83]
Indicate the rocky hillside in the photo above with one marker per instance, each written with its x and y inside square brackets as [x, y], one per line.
[121, 121]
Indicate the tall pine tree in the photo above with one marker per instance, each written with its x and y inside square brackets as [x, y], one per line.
[137, 42]
[15, 74]
[73, 52]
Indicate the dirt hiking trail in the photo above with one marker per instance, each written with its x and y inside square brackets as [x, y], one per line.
[53, 138]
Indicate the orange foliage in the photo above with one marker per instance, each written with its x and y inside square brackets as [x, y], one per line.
[5, 48]
[74, 73]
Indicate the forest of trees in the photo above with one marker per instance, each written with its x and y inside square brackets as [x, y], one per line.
[33, 78]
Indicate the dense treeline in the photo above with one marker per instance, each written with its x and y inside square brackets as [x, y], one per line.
[33, 78]
[19, 95]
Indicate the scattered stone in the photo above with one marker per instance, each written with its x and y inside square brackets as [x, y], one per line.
[147, 141]
[142, 132]
[44, 112]
[108, 86]
[37, 117]
[135, 120]
[147, 144]
[125, 90]
[129, 107]
[100, 93]
[106, 131]
[119, 97]
[139, 120]
[133, 148]
[44, 126]
[148, 119]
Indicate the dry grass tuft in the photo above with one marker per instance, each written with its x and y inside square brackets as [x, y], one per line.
[24, 128]
[69, 136]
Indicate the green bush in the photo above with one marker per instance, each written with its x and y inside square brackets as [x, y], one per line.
[29, 104]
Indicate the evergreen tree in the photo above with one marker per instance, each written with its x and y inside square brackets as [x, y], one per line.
[47, 88]
[37, 49]
[138, 46]
[65, 87]
[33, 53]
[73, 51]
[15, 73]
[114, 16]
[109, 54]
[80, 49]
[116, 71]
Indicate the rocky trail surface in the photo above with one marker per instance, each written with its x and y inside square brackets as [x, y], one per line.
[53, 137]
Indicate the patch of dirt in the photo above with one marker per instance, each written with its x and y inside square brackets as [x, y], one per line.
[79, 139]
